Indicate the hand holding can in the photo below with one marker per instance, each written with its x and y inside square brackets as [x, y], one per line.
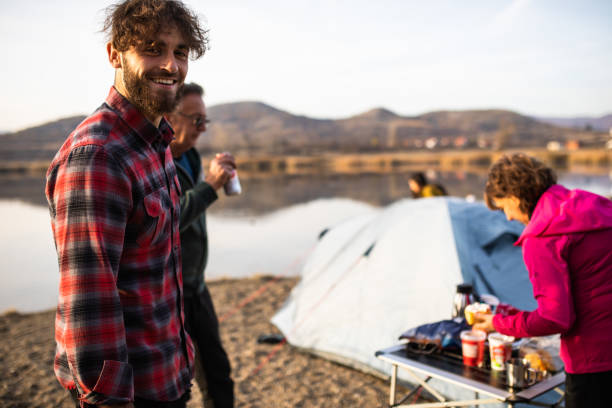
[233, 187]
[228, 163]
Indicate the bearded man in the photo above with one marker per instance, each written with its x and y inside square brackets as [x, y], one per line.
[113, 196]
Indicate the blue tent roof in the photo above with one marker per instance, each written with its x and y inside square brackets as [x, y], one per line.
[487, 255]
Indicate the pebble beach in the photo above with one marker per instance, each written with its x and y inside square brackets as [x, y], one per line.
[266, 375]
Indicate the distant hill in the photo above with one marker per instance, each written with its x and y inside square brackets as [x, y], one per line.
[38, 142]
[602, 123]
[257, 128]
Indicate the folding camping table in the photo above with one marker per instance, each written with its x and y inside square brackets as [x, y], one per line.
[449, 368]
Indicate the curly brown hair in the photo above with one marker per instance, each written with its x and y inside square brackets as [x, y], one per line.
[134, 22]
[520, 176]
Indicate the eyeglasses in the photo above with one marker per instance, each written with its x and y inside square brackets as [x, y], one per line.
[196, 119]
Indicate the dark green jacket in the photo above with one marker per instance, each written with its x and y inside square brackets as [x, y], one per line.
[196, 196]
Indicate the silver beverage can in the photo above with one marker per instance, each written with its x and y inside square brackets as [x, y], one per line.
[232, 187]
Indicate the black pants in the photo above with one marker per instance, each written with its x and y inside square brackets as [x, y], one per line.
[203, 327]
[141, 403]
[593, 390]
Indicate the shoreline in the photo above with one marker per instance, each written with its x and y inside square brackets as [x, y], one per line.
[591, 160]
[290, 378]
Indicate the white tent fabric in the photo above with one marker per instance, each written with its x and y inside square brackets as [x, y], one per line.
[376, 275]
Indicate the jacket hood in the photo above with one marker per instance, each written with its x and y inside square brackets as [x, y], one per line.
[562, 211]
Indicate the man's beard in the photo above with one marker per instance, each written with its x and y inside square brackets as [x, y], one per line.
[141, 96]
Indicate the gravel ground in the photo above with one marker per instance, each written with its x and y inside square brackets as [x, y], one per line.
[289, 378]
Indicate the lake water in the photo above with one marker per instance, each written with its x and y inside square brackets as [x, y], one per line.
[269, 229]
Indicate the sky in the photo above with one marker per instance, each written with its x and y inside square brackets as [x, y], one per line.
[331, 58]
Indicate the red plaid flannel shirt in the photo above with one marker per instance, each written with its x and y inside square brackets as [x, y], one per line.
[114, 200]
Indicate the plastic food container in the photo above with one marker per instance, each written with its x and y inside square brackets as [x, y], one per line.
[500, 347]
[472, 347]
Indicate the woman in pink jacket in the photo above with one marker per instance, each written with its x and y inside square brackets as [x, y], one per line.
[567, 248]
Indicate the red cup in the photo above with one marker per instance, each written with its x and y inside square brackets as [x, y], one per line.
[473, 347]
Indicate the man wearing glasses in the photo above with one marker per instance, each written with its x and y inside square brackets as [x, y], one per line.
[189, 121]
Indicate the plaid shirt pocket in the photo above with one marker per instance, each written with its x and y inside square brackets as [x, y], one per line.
[156, 219]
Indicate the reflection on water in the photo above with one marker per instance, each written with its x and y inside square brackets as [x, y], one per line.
[598, 184]
[29, 277]
[266, 194]
[263, 231]
[275, 243]
[24, 187]
[240, 246]
[262, 195]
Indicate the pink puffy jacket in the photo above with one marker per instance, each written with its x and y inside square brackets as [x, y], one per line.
[567, 248]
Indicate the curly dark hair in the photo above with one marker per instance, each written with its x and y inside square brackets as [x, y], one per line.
[520, 176]
[134, 22]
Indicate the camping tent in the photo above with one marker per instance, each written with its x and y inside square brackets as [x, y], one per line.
[373, 276]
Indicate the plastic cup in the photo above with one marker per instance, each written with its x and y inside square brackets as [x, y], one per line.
[500, 347]
[472, 347]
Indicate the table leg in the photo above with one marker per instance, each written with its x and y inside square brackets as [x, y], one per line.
[393, 382]
[425, 385]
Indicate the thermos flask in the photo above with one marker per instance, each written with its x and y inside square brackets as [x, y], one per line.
[463, 297]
